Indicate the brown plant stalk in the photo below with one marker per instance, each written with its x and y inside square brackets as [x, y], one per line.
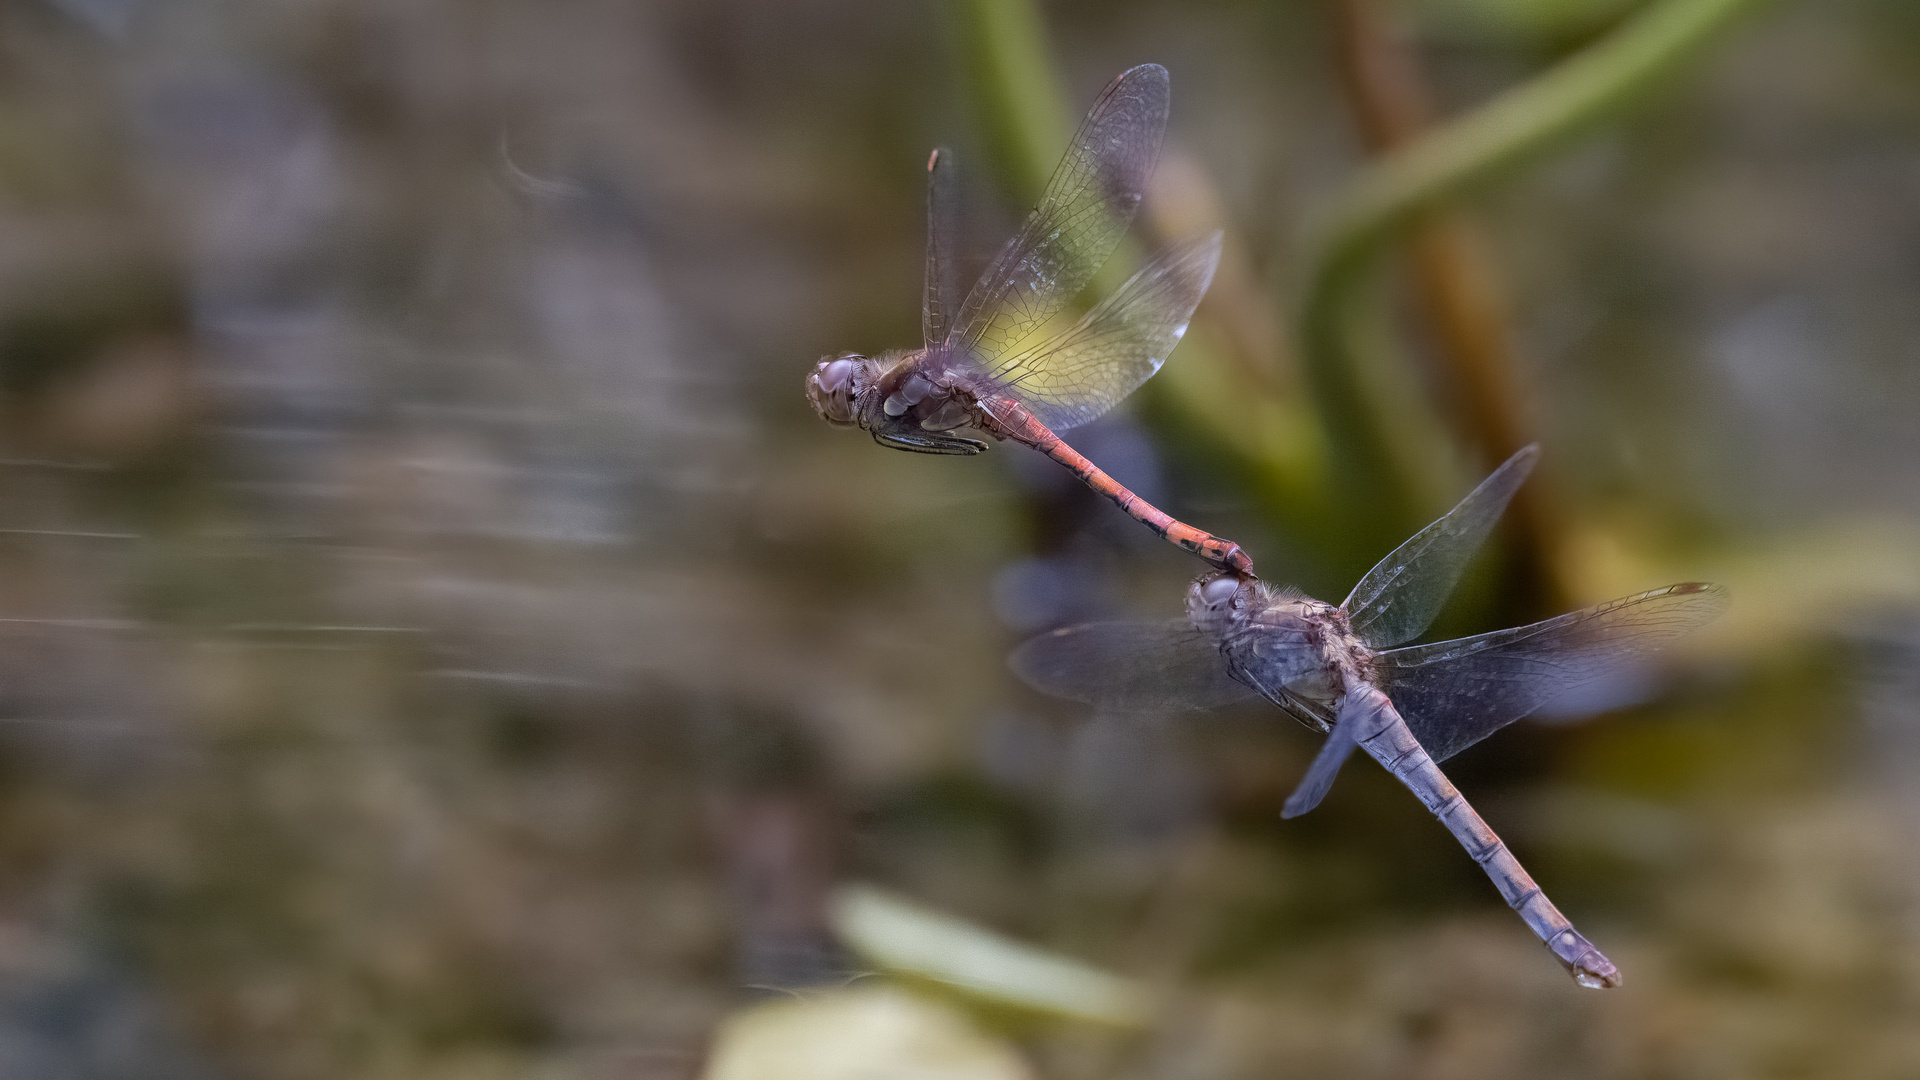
[1457, 286]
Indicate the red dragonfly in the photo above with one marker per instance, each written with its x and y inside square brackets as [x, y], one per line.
[1341, 670]
[1004, 360]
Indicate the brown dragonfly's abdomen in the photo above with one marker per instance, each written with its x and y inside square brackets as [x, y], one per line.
[1011, 420]
[1393, 745]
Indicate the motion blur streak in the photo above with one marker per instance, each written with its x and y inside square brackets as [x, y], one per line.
[438, 640]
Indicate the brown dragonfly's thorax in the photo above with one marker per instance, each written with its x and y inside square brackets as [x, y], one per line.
[1278, 638]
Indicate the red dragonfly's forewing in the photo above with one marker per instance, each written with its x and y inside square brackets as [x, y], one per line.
[1087, 370]
[1081, 216]
[937, 311]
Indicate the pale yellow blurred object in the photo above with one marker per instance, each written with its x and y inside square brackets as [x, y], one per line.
[879, 1033]
[910, 940]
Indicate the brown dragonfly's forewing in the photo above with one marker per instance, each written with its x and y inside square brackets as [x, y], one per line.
[1455, 693]
[1130, 666]
[1399, 597]
[1087, 206]
[1076, 377]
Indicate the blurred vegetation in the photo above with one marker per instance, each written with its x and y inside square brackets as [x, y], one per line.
[439, 641]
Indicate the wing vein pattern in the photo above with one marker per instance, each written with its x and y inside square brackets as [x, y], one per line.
[1455, 693]
[1130, 666]
[1086, 207]
[1088, 369]
[936, 312]
[1397, 600]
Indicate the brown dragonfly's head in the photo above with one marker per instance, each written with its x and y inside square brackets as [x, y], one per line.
[900, 407]
[1216, 601]
[1304, 644]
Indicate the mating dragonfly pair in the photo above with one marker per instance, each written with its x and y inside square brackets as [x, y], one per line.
[1005, 362]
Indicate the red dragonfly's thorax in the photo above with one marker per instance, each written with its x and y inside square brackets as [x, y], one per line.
[916, 392]
[902, 399]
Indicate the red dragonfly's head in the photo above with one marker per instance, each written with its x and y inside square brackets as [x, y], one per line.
[888, 398]
[836, 385]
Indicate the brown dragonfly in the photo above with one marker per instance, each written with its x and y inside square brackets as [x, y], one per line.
[1337, 670]
[1004, 361]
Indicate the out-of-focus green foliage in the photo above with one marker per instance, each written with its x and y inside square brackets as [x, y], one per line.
[1377, 446]
[833, 1035]
[1530, 20]
[914, 942]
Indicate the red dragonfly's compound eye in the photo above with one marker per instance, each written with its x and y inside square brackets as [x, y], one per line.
[830, 389]
[835, 376]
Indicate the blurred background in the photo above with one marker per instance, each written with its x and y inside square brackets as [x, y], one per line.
[438, 640]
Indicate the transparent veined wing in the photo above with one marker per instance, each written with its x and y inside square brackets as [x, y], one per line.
[1397, 600]
[1077, 376]
[1134, 666]
[1087, 205]
[937, 310]
[1326, 764]
[1455, 693]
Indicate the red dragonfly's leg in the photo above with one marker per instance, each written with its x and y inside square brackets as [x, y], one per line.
[1014, 422]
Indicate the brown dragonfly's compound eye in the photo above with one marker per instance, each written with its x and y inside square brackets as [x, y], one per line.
[1220, 590]
[1210, 602]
